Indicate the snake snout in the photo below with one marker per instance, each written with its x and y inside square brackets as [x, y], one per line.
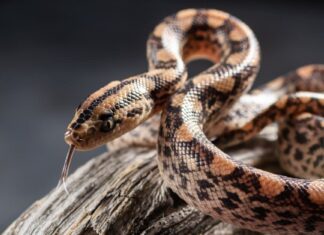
[72, 138]
[68, 137]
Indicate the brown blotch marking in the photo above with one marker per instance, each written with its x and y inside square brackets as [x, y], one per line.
[237, 34]
[177, 99]
[194, 49]
[216, 13]
[185, 24]
[209, 53]
[248, 127]
[321, 101]
[315, 191]
[305, 99]
[202, 79]
[303, 116]
[216, 18]
[281, 103]
[225, 86]
[305, 72]
[292, 109]
[158, 31]
[164, 55]
[184, 133]
[270, 187]
[185, 20]
[322, 124]
[277, 83]
[221, 165]
[236, 58]
[187, 13]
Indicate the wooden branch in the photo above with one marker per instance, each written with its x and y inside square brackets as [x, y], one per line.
[121, 192]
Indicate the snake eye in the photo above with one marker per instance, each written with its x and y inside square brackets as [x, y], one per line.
[107, 125]
[108, 122]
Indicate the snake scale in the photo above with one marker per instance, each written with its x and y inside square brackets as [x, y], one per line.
[190, 163]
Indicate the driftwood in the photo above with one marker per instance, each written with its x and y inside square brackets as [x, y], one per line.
[121, 192]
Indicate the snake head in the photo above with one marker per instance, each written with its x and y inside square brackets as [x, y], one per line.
[107, 114]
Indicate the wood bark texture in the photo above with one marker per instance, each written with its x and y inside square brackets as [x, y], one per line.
[121, 192]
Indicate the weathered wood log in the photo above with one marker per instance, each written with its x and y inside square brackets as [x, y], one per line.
[121, 192]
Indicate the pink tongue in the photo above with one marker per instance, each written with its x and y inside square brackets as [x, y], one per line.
[66, 167]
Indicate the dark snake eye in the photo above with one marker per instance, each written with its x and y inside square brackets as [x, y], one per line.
[107, 125]
[108, 122]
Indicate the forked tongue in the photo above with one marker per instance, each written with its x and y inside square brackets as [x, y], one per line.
[65, 171]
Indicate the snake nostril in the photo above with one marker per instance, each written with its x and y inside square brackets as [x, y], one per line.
[76, 137]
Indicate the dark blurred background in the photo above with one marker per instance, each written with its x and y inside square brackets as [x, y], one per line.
[52, 54]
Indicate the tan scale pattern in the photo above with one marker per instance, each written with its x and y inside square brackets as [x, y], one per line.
[203, 175]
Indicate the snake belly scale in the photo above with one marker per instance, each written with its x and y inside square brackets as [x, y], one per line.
[190, 164]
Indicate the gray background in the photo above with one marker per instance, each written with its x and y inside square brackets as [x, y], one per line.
[52, 54]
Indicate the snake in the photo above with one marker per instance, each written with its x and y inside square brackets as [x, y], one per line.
[191, 164]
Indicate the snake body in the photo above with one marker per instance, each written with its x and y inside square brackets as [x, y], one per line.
[190, 164]
[301, 137]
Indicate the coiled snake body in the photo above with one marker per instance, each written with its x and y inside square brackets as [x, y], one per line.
[190, 164]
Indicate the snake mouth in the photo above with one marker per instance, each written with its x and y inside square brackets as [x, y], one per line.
[73, 138]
